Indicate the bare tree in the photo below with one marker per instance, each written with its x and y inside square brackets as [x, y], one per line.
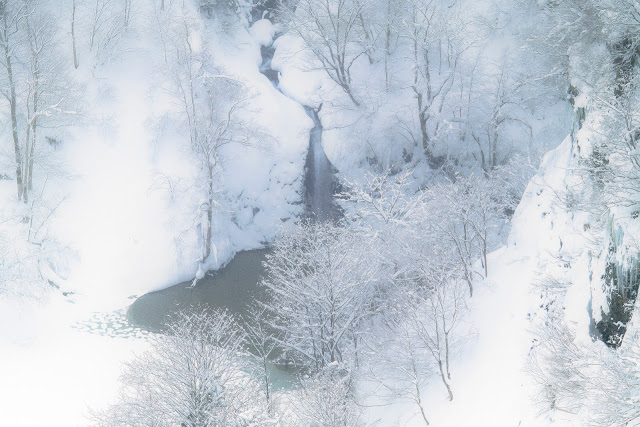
[332, 30]
[436, 315]
[555, 364]
[391, 20]
[45, 88]
[401, 366]
[263, 344]
[434, 32]
[127, 12]
[496, 119]
[12, 15]
[214, 123]
[37, 86]
[421, 336]
[105, 24]
[463, 217]
[471, 212]
[73, 34]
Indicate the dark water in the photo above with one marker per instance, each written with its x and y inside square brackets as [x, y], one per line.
[265, 68]
[264, 9]
[234, 288]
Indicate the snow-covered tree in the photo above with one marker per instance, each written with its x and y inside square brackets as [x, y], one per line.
[409, 225]
[389, 212]
[328, 399]
[497, 117]
[558, 364]
[471, 212]
[262, 343]
[435, 314]
[104, 23]
[211, 108]
[322, 284]
[401, 366]
[193, 376]
[421, 336]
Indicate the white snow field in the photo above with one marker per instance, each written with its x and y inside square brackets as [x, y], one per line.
[120, 213]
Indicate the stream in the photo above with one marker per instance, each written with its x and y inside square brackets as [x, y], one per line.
[319, 180]
[236, 286]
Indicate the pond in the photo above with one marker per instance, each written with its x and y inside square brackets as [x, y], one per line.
[234, 288]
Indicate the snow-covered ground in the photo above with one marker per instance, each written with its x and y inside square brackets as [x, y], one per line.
[61, 354]
[59, 359]
[117, 233]
[63, 359]
[492, 378]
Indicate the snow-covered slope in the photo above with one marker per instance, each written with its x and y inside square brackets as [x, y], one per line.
[120, 216]
[121, 222]
[541, 275]
[130, 201]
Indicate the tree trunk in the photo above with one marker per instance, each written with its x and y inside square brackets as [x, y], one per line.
[367, 37]
[484, 249]
[387, 53]
[267, 387]
[417, 387]
[446, 352]
[426, 141]
[387, 47]
[347, 88]
[12, 103]
[31, 142]
[27, 149]
[444, 380]
[94, 26]
[467, 269]
[127, 13]
[73, 35]
[207, 240]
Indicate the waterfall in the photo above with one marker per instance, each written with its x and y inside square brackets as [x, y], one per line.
[319, 177]
[319, 181]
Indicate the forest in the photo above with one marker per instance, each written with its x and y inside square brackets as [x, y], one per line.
[316, 213]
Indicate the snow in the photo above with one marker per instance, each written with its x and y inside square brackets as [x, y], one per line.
[117, 211]
[493, 388]
[120, 231]
[531, 222]
[263, 32]
[298, 79]
[491, 378]
[52, 373]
